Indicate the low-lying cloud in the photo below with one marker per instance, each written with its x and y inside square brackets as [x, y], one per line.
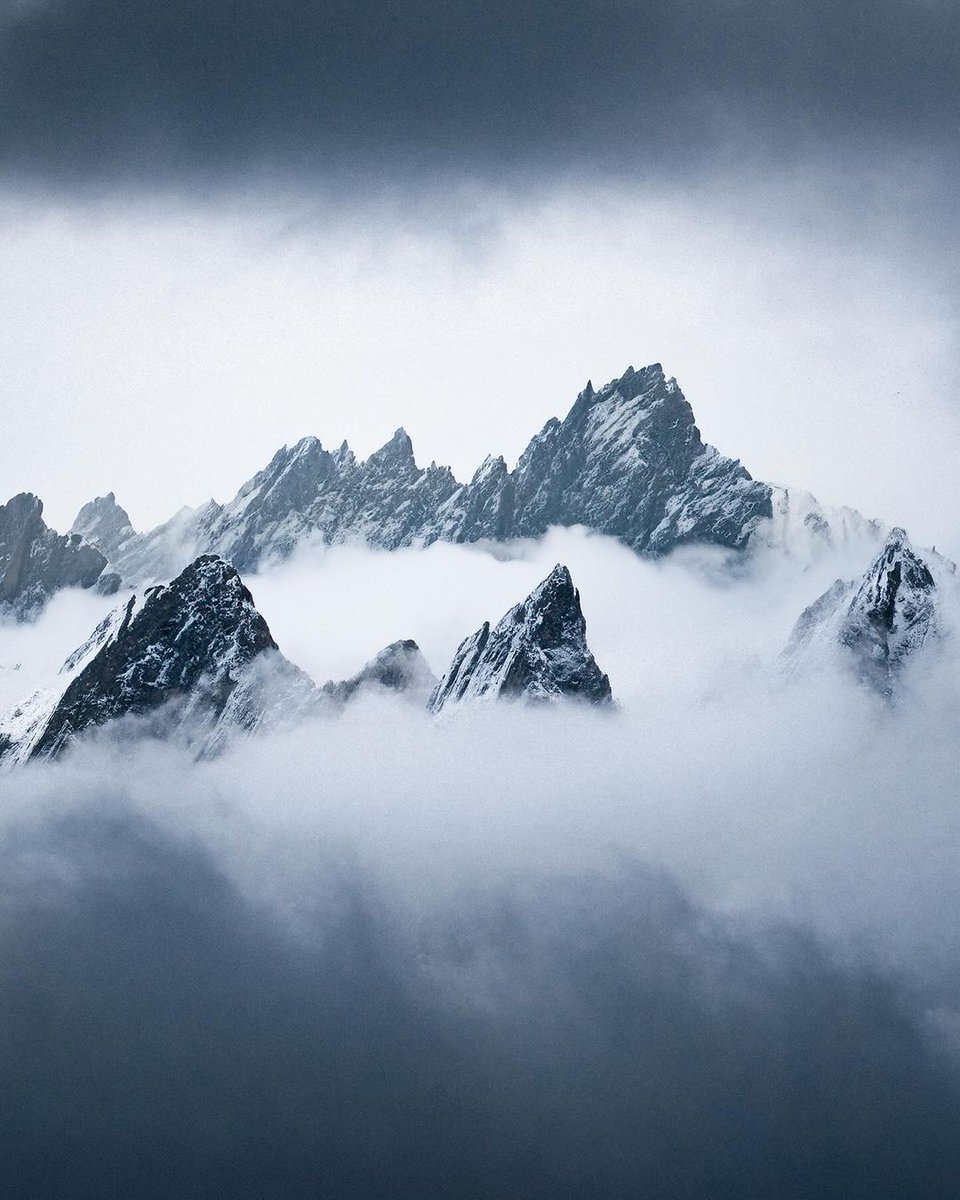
[702, 946]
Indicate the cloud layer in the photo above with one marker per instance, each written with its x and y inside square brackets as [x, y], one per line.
[705, 946]
[164, 1038]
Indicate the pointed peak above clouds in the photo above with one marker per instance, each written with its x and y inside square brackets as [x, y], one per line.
[103, 523]
[879, 621]
[537, 652]
[194, 655]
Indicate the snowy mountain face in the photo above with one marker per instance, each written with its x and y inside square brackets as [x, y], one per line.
[35, 561]
[627, 461]
[537, 652]
[399, 667]
[879, 621]
[195, 655]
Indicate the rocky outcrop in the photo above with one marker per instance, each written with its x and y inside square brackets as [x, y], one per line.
[36, 562]
[399, 667]
[627, 461]
[193, 659]
[537, 652]
[877, 622]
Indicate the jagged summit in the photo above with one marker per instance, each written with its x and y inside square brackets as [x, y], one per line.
[399, 449]
[880, 620]
[627, 461]
[537, 652]
[893, 611]
[195, 654]
[36, 562]
[103, 523]
[399, 667]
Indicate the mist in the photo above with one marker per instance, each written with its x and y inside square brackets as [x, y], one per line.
[703, 945]
[165, 351]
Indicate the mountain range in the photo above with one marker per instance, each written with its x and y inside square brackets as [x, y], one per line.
[193, 660]
[627, 461]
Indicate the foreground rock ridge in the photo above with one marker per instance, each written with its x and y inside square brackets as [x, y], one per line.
[627, 461]
[36, 562]
[537, 652]
[878, 621]
[195, 655]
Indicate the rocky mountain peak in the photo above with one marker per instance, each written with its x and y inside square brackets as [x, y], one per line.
[880, 620]
[631, 385]
[194, 655]
[35, 561]
[538, 651]
[895, 575]
[397, 452]
[628, 460]
[303, 459]
[893, 611]
[24, 507]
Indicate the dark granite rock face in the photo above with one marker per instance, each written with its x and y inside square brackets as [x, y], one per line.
[627, 461]
[104, 524]
[399, 667]
[36, 562]
[195, 652]
[880, 620]
[537, 652]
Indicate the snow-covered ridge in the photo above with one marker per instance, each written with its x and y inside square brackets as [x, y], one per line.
[627, 461]
[801, 526]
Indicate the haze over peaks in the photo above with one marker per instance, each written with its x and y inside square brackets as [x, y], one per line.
[627, 460]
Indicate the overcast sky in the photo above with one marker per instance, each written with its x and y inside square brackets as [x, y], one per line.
[412, 959]
[227, 226]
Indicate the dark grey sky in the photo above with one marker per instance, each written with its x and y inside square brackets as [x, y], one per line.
[339, 93]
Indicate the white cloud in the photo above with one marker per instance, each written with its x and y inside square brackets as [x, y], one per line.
[800, 797]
